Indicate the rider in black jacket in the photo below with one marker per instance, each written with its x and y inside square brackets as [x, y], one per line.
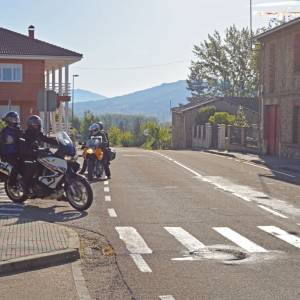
[9, 142]
[30, 143]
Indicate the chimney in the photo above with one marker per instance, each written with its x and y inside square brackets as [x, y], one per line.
[31, 31]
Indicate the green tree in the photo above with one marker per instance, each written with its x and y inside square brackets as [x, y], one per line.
[222, 118]
[204, 113]
[225, 65]
[114, 135]
[126, 139]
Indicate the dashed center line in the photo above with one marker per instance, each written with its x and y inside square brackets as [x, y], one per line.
[105, 182]
[112, 213]
[106, 189]
[166, 297]
[107, 198]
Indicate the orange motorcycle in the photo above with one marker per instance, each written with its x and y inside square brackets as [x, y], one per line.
[93, 154]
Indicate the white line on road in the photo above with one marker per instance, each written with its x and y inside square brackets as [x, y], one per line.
[107, 198]
[239, 239]
[105, 182]
[273, 212]
[141, 263]
[245, 193]
[271, 170]
[9, 214]
[166, 297]
[112, 213]
[134, 242]
[106, 189]
[185, 238]
[282, 235]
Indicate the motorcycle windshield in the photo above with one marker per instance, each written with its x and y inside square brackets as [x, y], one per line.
[94, 142]
[66, 143]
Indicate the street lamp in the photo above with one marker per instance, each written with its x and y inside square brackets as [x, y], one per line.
[75, 75]
[251, 23]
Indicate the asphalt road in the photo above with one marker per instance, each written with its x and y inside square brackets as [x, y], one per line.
[192, 225]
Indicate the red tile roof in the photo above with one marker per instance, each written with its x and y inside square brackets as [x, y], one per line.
[15, 44]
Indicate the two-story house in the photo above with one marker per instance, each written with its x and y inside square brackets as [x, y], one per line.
[280, 90]
[28, 67]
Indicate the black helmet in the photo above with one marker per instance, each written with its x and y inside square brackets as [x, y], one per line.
[94, 129]
[12, 119]
[100, 125]
[34, 123]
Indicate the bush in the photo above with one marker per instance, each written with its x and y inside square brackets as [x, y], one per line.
[126, 139]
[114, 135]
[222, 118]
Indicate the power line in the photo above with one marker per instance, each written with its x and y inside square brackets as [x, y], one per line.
[132, 68]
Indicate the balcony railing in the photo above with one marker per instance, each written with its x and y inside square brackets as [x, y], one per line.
[63, 89]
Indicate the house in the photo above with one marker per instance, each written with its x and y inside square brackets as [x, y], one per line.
[280, 89]
[28, 67]
[183, 117]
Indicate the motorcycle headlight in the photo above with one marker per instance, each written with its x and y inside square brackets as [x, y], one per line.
[70, 158]
[89, 151]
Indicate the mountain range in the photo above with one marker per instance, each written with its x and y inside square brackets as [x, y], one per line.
[84, 96]
[152, 102]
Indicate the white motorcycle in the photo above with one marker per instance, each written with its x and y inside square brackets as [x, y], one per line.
[56, 177]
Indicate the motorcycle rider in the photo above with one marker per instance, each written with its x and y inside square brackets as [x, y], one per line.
[106, 162]
[96, 129]
[32, 139]
[9, 141]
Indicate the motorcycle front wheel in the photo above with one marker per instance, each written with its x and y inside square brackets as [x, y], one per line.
[14, 193]
[79, 193]
[90, 168]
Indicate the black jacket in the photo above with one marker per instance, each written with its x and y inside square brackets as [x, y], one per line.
[30, 143]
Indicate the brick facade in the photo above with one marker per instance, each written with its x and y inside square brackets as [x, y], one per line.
[24, 94]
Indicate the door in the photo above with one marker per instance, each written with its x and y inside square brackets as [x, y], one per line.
[271, 126]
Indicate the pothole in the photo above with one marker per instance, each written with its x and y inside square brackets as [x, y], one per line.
[219, 252]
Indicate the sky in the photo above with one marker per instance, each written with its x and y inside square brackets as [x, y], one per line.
[129, 45]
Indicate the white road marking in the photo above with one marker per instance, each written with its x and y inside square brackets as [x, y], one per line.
[134, 242]
[9, 214]
[239, 239]
[185, 238]
[141, 263]
[273, 212]
[243, 192]
[166, 297]
[112, 213]
[282, 235]
[105, 182]
[107, 198]
[271, 170]
[106, 189]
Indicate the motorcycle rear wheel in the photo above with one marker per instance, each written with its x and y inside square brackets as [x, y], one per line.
[79, 193]
[13, 194]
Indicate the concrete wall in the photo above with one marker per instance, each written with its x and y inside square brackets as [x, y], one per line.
[24, 94]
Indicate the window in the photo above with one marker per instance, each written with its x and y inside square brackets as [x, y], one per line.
[272, 69]
[10, 73]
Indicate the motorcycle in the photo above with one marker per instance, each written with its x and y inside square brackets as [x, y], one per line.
[56, 177]
[93, 154]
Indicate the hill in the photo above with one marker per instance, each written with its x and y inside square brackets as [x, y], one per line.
[154, 102]
[84, 96]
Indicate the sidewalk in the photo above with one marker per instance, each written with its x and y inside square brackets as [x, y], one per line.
[27, 245]
[271, 162]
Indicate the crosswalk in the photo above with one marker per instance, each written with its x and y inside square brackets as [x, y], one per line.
[139, 248]
[7, 207]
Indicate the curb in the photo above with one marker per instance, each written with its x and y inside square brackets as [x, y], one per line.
[220, 153]
[38, 261]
